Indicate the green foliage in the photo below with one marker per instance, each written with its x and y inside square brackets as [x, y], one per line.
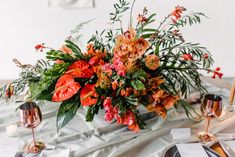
[192, 18]
[191, 113]
[59, 55]
[76, 50]
[92, 111]
[137, 84]
[67, 111]
[119, 8]
[48, 78]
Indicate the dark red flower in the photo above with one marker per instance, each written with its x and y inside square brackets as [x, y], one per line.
[80, 69]
[206, 56]
[187, 57]
[65, 88]
[217, 73]
[88, 95]
[39, 47]
[9, 91]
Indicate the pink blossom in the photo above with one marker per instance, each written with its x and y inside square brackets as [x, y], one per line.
[108, 116]
[119, 67]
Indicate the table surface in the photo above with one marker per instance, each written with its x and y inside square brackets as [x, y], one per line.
[99, 139]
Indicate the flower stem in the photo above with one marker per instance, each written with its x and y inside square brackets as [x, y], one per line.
[131, 20]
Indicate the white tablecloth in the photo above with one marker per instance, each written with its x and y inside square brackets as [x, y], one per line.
[106, 140]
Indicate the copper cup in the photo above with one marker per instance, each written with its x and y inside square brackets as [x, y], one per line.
[211, 107]
[30, 117]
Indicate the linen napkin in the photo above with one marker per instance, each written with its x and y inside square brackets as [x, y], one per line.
[55, 153]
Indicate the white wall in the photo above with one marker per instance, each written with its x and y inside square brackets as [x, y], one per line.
[25, 23]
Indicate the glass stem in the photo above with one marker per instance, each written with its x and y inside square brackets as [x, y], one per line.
[33, 137]
[208, 124]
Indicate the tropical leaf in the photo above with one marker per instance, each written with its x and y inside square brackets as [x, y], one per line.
[67, 111]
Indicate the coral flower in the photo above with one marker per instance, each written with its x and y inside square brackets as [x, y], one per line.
[217, 73]
[114, 85]
[88, 96]
[141, 19]
[187, 57]
[80, 69]
[152, 62]
[39, 47]
[65, 88]
[177, 12]
[129, 120]
[66, 50]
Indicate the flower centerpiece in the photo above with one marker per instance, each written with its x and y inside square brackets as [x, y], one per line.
[120, 70]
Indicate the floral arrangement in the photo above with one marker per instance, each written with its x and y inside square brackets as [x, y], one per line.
[120, 70]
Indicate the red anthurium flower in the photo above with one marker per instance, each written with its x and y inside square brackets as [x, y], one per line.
[65, 88]
[39, 47]
[187, 57]
[80, 69]
[217, 73]
[88, 95]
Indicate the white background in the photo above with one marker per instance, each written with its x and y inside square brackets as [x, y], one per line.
[25, 23]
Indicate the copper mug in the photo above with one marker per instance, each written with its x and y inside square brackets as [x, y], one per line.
[30, 117]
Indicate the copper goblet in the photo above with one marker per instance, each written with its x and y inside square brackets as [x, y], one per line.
[30, 117]
[211, 107]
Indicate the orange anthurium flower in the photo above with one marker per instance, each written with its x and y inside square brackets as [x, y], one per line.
[88, 95]
[80, 69]
[65, 88]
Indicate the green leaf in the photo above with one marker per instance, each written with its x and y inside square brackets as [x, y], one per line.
[48, 78]
[140, 74]
[57, 54]
[77, 51]
[137, 84]
[67, 111]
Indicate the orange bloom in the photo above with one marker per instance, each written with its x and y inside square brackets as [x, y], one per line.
[159, 95]
[123, 92]
[169, 101]
[152, 62]
[158, 109]
[154, 82]
[80, 69]
[90, 49]
[66, 50]
[114, 85]
[88, 96]
[130, 33]
[141, 46]
[187, 57]
[65, 88]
